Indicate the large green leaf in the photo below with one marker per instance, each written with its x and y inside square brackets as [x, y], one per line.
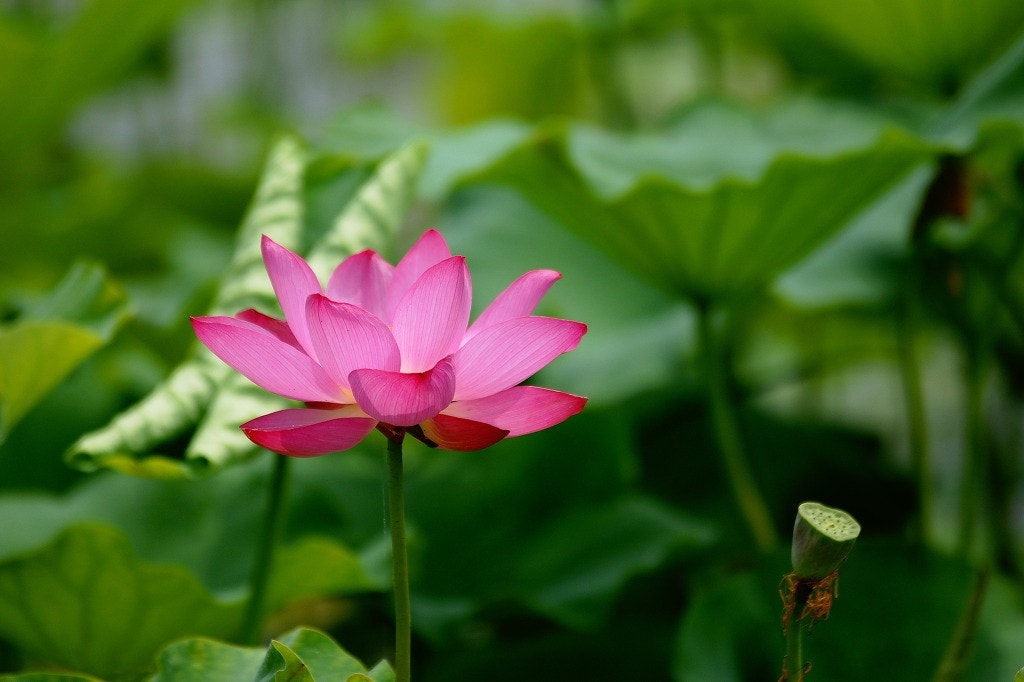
[726, 233]
[86, 602]
[53, 336]
[203, 387]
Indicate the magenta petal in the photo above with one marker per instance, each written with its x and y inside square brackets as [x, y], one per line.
[430, 250]
[304, 432]
[509, 352]
[362, 280]
[454, 433]
[266, 360]
[403, 399]
[278, 328]
[431, 319]
[348, 338]
[518, 300]
[520, 409]
[293, 282]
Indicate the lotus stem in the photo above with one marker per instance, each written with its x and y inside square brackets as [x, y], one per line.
[793, 664]
[266, 543]
[913, 399]
[727, 434]
[400, 562]
[955, 660]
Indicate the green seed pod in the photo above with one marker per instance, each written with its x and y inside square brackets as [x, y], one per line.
[822, 538]
[1019, 677]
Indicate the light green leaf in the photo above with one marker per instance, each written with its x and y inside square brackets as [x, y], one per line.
[34, 357]
[301, 654]
[281, 664]
[206, 660]
[86, 602]
[180, 401]
[53, 336]
[307, 655]
[382, 672]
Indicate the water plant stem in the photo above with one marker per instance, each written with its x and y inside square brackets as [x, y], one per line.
[266, 542]
[400, 563]
[913, 398]
[793, 663]
[727, 434]
[954, 661]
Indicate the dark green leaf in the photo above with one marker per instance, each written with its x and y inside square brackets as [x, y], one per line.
[88, 603]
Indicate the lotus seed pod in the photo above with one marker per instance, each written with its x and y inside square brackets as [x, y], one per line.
[822, 538]
[1019, 677]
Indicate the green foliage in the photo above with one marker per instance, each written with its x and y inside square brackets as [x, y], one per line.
[302, 654]
[790, 162]
[912, 39]
[52, 337]
[726, 241]
[86, 602]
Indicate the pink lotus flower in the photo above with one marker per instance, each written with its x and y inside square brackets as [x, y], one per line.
[388, 347]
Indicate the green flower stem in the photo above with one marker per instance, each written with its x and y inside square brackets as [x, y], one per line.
[913, 398]
[266, 542]
[400, 562]
[727, 433]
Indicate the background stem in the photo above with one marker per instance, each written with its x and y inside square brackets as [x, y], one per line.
[954, 661]
[728, 437]
[400, 562]
[913, 396]
[265, 544]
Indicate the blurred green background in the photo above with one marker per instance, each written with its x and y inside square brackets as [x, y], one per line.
[794, 229]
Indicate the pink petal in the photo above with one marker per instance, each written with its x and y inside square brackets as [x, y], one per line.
[518, 300]
[453, 433]
[430, 250]
[431, 319]
[304, 432]
[293, 282]
[278, 328]
[404, 399]
[348, 338]
[266, 360]
[509, 352]
[520, 409]
[362, 280]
